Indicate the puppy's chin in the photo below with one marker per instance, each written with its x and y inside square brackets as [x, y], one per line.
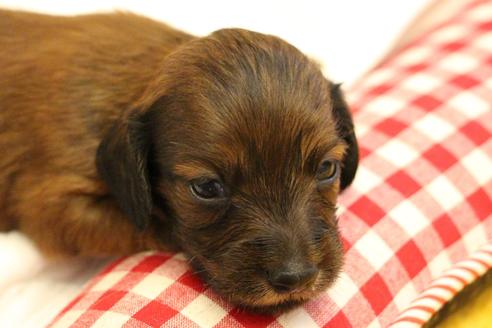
[276, 304]
[272, 302]
[261, 298]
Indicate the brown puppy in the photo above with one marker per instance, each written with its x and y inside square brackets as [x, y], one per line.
[120, 134]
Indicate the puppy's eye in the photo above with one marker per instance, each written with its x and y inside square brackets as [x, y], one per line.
[205, 188]
[327, 171]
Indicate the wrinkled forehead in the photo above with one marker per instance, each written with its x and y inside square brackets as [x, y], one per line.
[254, 102]
[283, 145]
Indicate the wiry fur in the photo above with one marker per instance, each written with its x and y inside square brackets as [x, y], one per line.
[104, 120]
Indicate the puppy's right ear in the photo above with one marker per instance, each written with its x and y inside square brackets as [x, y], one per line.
[345, 127]
[122, 163]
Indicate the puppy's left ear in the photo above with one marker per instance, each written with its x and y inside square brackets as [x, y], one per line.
[122, 162]
[345, 128]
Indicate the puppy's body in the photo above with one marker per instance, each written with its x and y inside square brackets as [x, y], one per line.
[63, 81]
[120, 134]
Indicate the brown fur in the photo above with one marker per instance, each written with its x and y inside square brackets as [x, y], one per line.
[105, 120]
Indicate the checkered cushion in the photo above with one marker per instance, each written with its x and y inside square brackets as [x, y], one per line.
[422, 199]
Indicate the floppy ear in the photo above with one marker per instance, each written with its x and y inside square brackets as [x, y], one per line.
[122, 162]
[345, 127]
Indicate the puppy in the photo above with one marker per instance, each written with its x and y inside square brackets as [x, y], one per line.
[119, 134]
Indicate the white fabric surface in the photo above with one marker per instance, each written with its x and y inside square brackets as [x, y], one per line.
[347, 37]
[32, 289]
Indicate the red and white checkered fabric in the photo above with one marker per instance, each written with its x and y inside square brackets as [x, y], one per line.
[422, 200]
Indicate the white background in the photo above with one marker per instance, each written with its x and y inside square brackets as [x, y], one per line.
[347, 36]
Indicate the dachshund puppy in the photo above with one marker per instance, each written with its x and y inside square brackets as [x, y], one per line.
[119, 134]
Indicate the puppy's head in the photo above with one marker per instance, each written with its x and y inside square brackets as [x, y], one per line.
[243, 146]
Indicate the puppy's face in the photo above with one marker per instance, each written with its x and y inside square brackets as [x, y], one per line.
[245, 149]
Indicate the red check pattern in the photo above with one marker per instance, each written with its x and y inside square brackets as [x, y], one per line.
[422, 201]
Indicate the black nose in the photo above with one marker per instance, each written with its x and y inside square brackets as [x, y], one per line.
[291, 277]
